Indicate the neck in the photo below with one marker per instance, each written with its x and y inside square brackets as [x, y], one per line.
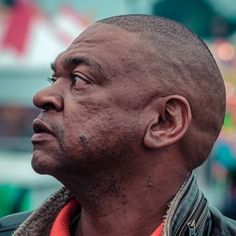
[134, 206]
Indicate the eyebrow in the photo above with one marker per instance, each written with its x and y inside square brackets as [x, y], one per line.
[73, 61]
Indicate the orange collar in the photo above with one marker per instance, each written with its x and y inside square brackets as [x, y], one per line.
[61, 226]
[158, 230]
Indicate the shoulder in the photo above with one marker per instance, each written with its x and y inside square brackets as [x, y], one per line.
[222, 225]
[10, 223]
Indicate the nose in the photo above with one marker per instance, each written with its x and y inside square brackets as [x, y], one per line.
[48, 99]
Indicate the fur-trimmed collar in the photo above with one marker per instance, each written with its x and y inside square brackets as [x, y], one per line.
[40, 222]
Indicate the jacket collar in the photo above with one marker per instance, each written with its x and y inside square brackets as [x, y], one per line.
[40, 222]
[188, 211]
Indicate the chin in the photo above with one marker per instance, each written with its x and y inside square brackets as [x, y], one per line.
[42, 163]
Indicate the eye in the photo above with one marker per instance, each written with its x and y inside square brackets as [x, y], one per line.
[52, 79]
[79, 81]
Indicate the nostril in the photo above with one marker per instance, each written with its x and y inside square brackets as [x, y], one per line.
[48, 106]
[38, 129]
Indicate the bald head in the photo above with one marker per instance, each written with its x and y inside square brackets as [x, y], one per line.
[180, 63]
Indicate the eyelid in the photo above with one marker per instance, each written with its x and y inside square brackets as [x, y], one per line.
[82, 75]
[52, 79]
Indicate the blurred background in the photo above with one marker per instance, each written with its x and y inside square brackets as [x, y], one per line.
[32, 33]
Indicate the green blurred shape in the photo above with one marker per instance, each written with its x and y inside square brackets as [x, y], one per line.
[14, 199]
[228, 121]
[198, 15]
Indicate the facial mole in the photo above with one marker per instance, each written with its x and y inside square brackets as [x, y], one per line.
[124, 202]
[123, 196]
[149, 182]
[83, 138]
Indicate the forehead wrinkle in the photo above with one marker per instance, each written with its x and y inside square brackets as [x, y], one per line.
[70, 62]
[74, 61]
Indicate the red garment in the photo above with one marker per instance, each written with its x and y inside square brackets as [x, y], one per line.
[61, 224]
[158, 230]
[17, 31]
[69, 211]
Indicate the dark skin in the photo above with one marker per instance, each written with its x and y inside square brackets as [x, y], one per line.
[113, 146]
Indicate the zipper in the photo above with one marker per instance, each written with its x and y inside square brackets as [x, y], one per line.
[192, 228]
[182, 228]
[201, 217]
[193, 225]
[199, 211]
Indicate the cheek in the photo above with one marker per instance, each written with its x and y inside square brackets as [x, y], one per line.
[88, 132]
[95, 126]
[100, 132]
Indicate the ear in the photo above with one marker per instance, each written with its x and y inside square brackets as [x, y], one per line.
[168, 119]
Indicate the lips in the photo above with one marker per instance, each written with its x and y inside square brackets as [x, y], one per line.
[40, 127]
[42, 131]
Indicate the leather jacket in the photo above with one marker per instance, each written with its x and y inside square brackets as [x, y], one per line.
[188, 215]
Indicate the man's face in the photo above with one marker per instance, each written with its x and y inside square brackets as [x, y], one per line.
[90, 119]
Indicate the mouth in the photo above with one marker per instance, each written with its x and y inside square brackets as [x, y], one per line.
[41, 131]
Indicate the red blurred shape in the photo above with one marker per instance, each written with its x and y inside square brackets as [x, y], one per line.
[17, 31]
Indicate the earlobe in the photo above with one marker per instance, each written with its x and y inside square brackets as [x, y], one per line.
[169, 119]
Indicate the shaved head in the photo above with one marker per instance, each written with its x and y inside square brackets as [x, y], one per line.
[180, 63]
